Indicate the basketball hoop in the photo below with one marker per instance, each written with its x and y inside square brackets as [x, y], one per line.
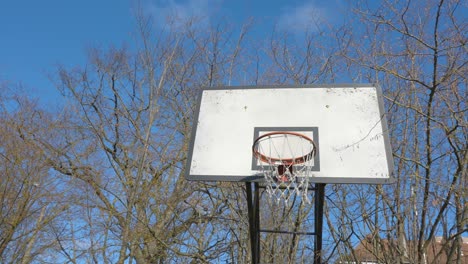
[286, 160]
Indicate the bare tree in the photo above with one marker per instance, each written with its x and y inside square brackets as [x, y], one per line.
[121, 144]
[30, 196]
[416, 50]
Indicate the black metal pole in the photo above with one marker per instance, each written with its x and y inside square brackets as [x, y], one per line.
[319, 201]
[252, 207]
[257, 221]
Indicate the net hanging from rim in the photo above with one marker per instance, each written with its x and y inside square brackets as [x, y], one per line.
[286, 160]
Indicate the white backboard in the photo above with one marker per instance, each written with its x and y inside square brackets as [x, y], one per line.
[347, 122]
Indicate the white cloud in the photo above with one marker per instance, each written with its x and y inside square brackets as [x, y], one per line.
[179, 13]
[306, 18]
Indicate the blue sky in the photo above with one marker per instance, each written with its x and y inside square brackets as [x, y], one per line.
[36, 36]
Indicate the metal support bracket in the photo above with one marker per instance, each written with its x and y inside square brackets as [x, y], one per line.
[253, 205]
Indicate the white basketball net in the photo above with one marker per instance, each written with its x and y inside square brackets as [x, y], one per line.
[286, 161]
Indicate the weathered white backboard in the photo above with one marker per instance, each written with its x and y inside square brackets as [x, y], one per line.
[347, 123]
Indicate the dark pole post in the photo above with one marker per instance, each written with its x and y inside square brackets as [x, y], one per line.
[252, 207]
[257, 220]
[319, 201]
